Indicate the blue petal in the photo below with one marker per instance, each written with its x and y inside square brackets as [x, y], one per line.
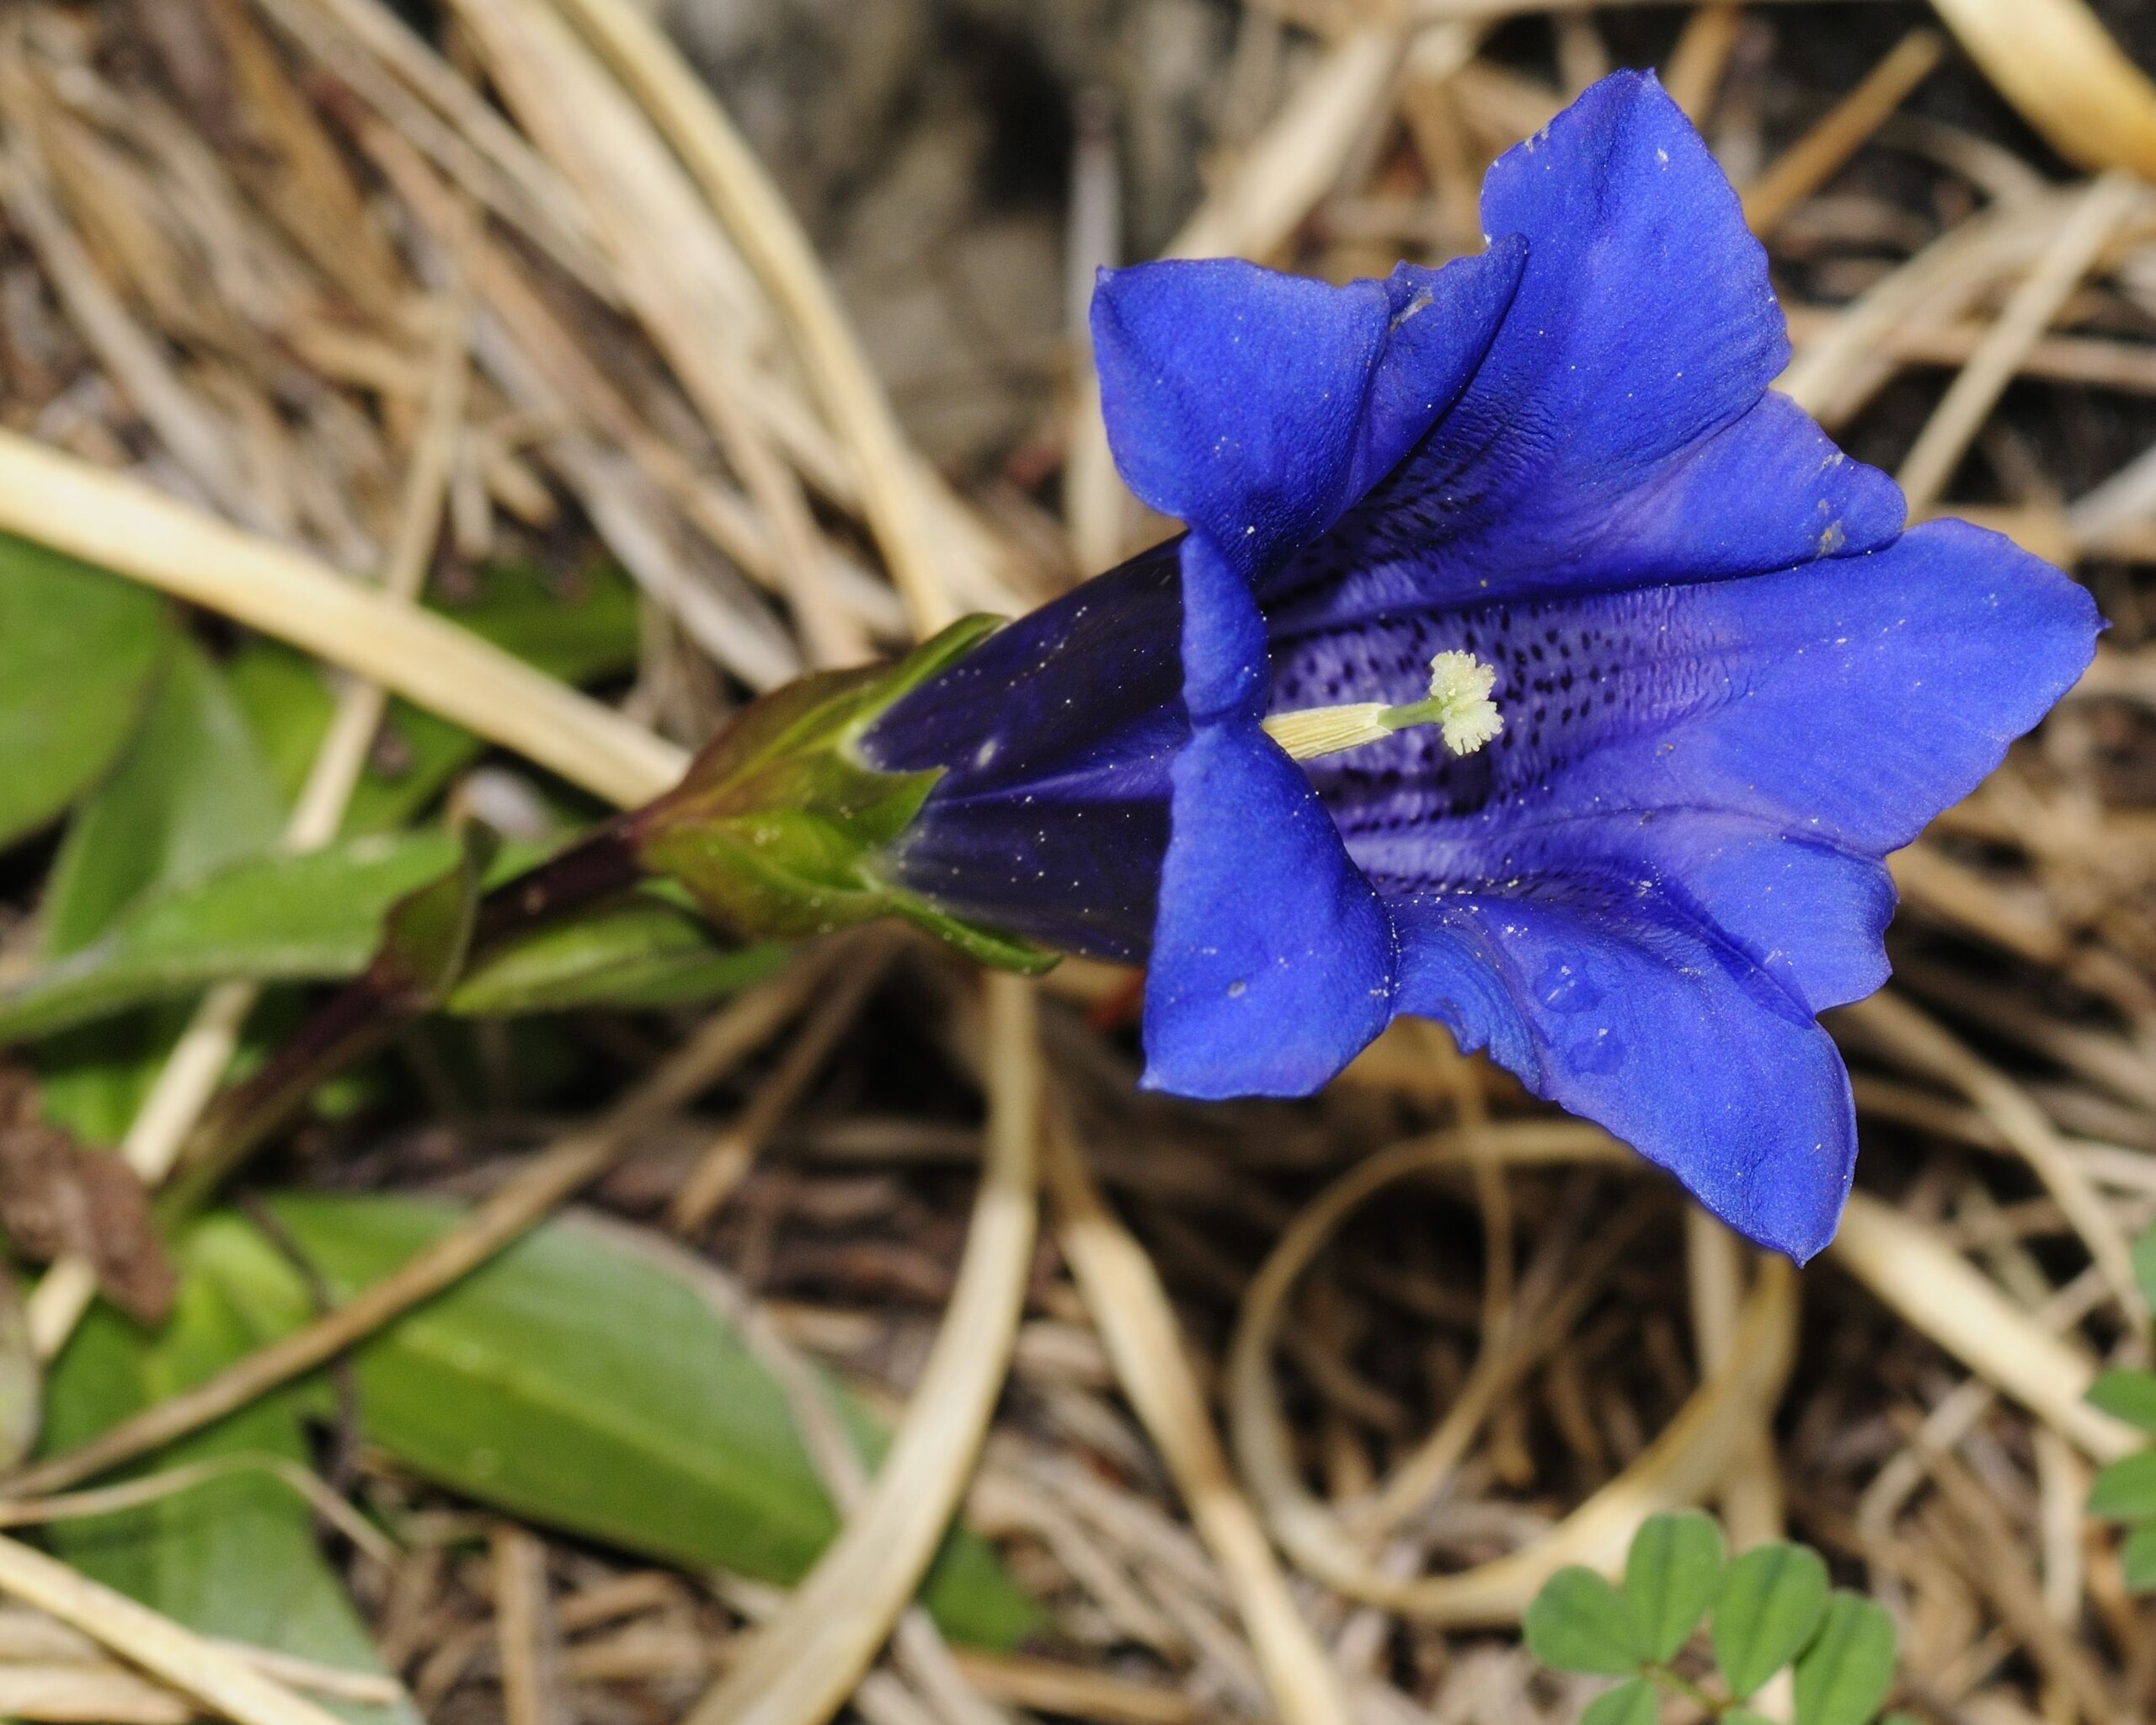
[1233, 395]
[1273, 959]
[1852, 701]
[1053, 738]
[1619, 431]
[1623, 1010]
[1256, 406]
[1810, 915]
[1074, 688]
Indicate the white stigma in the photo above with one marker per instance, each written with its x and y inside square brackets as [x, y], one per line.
[1459, 704]
[1459, 689]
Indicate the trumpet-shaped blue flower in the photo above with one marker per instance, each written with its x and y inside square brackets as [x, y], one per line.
[1728, 682]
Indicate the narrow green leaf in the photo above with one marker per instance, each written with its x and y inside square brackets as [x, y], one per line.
[79, 653]
[1579, 1622]
[643, 953]
[2137, 1558]
[237, 1556]
[1846, 1672]
[1671, 1576]
[2126, 1491]
[1772, 1598]
[575, 1382]
[192, 794]
[1634, 1703]
[318, 918]
[266, 918]
[2130, 1395]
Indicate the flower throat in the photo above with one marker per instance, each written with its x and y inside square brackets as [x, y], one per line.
[1459, 704]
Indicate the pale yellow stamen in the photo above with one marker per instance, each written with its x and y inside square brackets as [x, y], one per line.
[1459, 705]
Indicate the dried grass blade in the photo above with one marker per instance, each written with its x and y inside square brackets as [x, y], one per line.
[226, 1685]
[904, 504]
[2095, 217]
[122, 525]
[1130, 1308]
[2055, 63]
[1915, 1037]
[1935, 1288]
[1817, 156]
[805, 1663]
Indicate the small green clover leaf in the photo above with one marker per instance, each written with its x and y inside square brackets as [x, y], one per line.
[1770, 1607]
[1844, 1674]
[2126, 1491]
[1672, 1575]
[2130, 1395]
[1635, 1703]
[1579, 1622]
[2137, 1558]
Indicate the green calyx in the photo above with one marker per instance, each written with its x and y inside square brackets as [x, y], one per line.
[778, 829]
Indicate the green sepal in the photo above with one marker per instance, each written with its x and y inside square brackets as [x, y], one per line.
[778, 829]
[426, 937]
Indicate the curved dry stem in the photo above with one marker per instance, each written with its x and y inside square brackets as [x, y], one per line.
[122, 525]
[1928, 1046]
[805, 1663]
[1692, 1454]
[1714, 1263]
[1935, 1288]
[1138, 1327]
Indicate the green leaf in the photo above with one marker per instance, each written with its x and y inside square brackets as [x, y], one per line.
[2137, 1558]
[1671, 1576]
[79, 653]
[2130, 1395]
[587, 631]
[1846, 1672]
[643, 953]
[318, 918]
[266, 918]
[1634, 1703]
[237, 1557]
[1771, 1603]
[2126, 1491]
[1579, 1622]
[192, 794]
[575, 1382]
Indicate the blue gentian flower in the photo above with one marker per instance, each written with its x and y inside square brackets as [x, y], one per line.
[1729, 683]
